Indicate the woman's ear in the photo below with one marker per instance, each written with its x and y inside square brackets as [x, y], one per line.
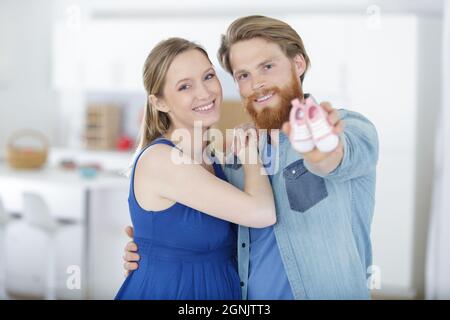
[300, 65]
[158, 103]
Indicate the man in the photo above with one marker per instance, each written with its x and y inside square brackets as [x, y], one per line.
[320, 246]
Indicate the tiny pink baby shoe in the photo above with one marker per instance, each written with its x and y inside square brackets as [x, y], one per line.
[301, 137]
[322, 132]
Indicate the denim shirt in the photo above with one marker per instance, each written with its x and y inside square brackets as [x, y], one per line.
[323, 221]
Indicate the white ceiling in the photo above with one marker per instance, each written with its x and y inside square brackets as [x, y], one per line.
[171, 8]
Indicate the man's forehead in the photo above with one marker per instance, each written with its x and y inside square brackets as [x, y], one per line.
[250, 53]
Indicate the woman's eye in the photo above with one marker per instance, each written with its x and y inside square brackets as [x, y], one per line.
[183, 87]
[210, 76]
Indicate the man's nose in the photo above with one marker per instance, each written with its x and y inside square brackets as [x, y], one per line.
[258, 84]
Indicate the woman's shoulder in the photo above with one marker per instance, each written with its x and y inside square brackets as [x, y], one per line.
[160, 157]
[155, 155]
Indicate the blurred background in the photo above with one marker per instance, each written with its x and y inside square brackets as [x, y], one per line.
[71, 99]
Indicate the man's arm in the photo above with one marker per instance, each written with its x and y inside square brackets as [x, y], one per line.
[130, 256]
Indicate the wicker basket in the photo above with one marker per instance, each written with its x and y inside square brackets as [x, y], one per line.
[26, 158]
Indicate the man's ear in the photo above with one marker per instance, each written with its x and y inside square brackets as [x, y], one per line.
[300, 65]
[158, 103]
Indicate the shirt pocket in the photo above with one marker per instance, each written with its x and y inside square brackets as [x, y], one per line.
[304, 189]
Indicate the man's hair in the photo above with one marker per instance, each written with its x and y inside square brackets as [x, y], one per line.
[270, 29]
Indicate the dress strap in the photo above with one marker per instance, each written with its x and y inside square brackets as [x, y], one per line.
[159, 140]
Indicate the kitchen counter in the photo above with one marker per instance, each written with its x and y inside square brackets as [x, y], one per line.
[97, 204]
[60, 176]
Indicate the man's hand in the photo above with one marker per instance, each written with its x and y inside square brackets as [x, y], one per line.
[130, 256]
[325, 161]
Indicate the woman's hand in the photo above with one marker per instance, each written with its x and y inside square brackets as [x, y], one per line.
[245, 143]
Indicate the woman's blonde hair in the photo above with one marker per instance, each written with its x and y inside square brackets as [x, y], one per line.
[270, 29]
[154, 122]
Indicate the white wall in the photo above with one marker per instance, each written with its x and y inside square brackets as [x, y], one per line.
[26, 98]
[429, 98]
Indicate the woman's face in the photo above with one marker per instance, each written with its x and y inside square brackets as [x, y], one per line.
[192, 91]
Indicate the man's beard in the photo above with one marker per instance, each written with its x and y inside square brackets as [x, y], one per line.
[273, 117]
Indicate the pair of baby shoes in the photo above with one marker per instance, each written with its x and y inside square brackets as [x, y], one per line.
[310, 127]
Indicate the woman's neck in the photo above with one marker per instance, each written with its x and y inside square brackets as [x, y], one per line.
[190, 141]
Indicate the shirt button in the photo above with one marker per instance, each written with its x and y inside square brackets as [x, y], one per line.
[243, 244]
[293, 171]
[242, 283]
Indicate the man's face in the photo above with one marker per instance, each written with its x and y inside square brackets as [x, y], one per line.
[268, 80]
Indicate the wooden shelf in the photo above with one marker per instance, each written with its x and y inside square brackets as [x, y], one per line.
[102, 126]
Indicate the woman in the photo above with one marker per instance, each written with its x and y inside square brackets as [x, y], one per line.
[183, 212]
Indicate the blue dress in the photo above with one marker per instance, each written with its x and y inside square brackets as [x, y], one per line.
[185, 253]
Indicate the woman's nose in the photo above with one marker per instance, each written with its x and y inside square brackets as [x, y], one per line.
[203, 92]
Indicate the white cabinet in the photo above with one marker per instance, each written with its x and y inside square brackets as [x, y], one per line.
[93, 243]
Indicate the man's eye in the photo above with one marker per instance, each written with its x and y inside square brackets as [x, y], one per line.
[268, 66]
[242, 76]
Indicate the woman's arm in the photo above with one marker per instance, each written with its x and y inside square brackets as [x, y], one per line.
[193, 186]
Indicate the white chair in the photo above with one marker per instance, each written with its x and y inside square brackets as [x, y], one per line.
[4, 219]
[37, 214]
